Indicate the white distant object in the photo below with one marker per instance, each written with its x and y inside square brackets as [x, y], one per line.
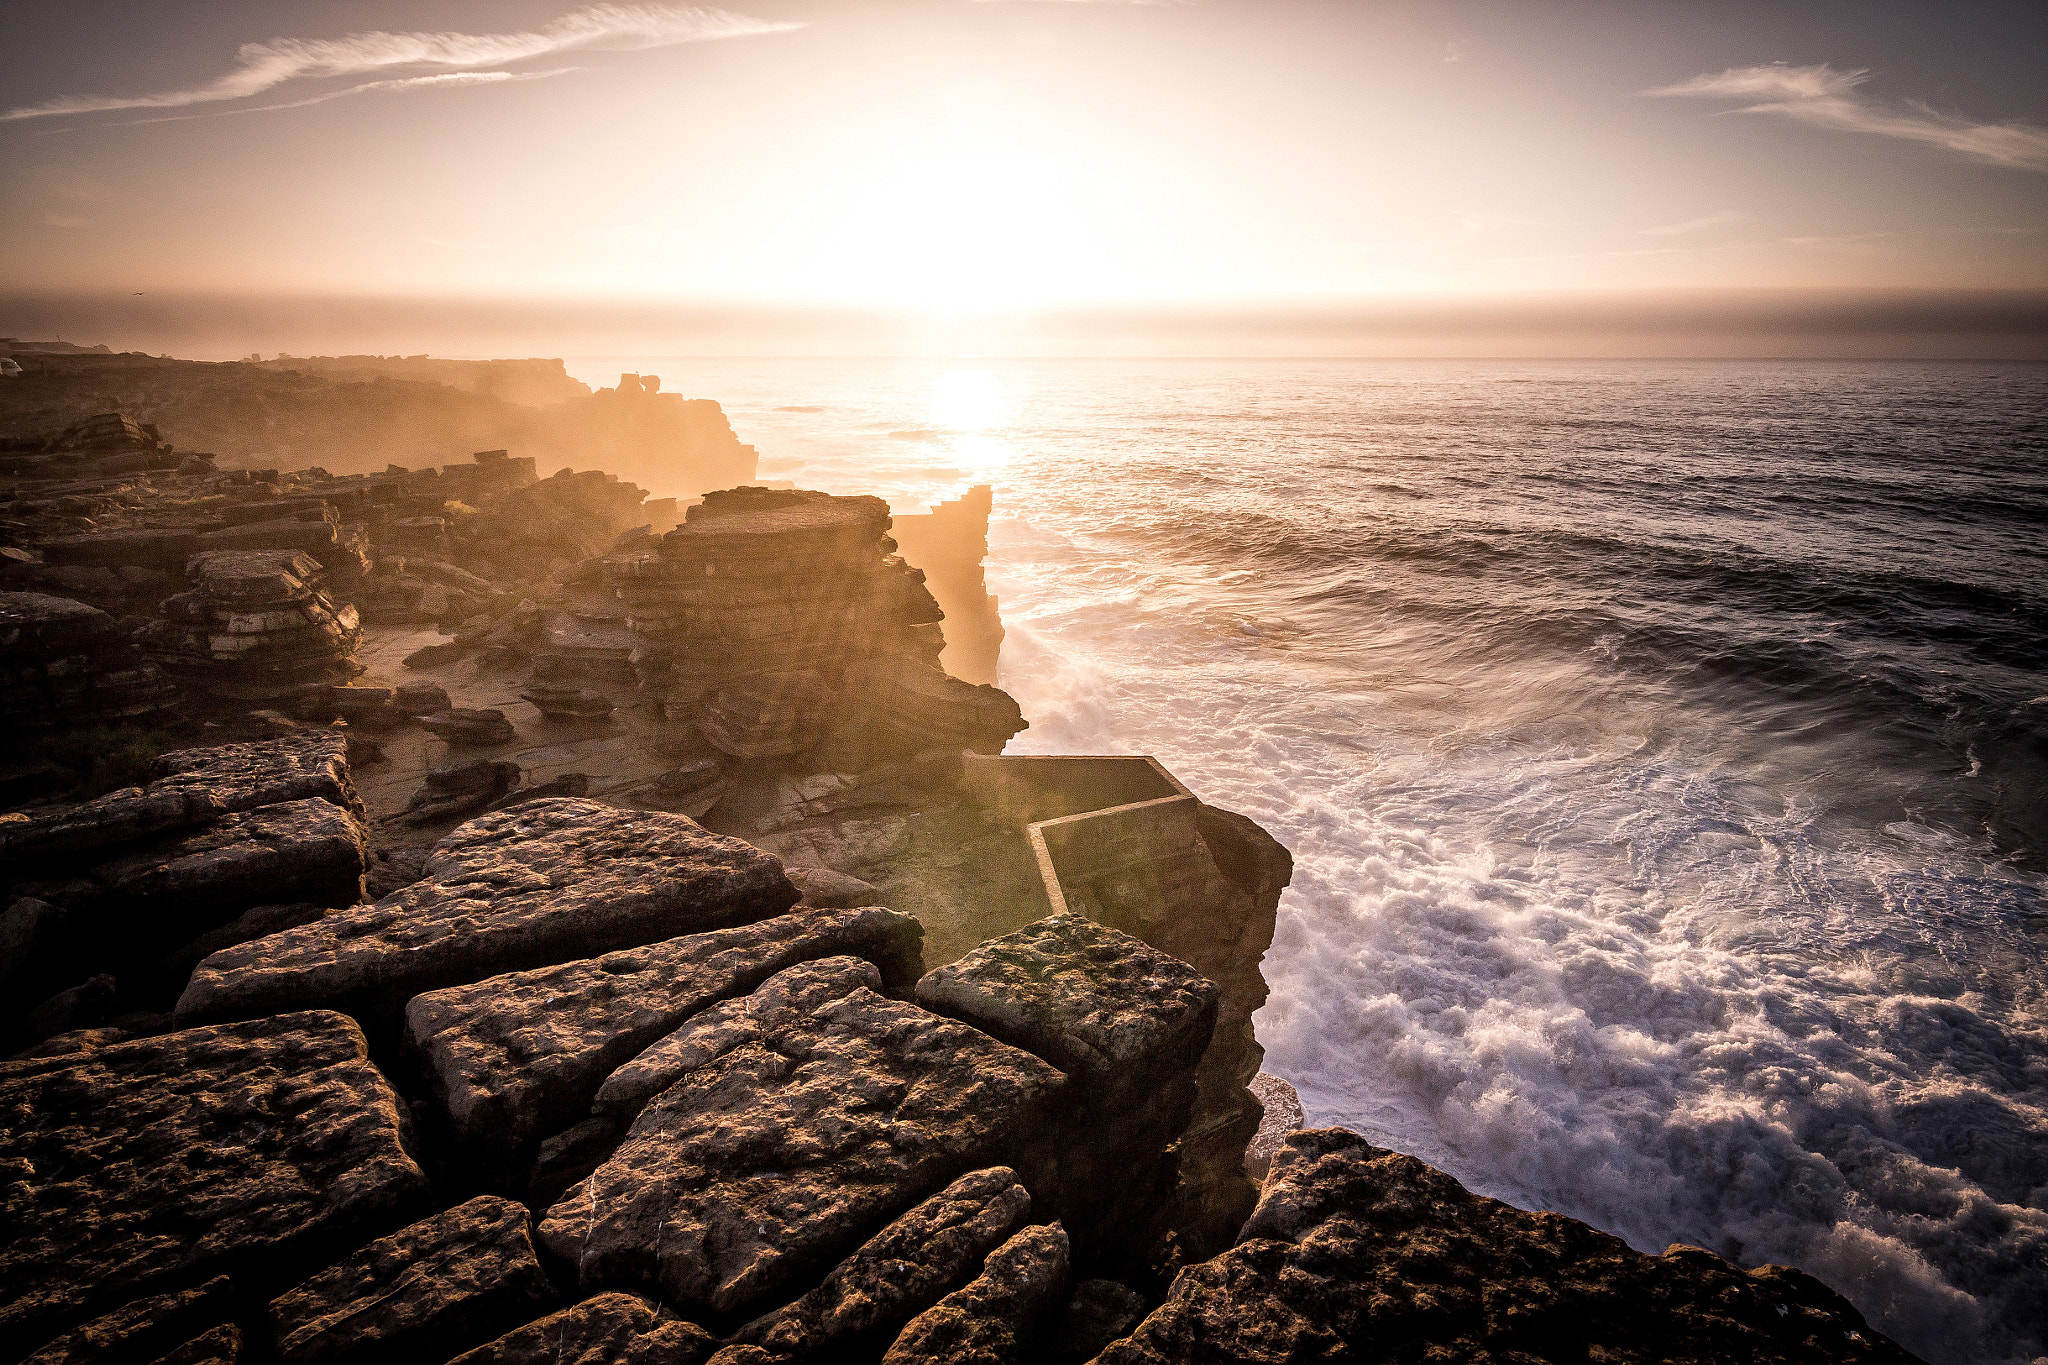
[8, 369]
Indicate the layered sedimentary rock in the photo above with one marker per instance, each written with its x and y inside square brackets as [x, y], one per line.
[769, 618]
[1355, 1253]
[949, 544]
[179, 1155]
[437, 1287]
[539, 883]
[820, 1110]
[255, 625]
[513, 1058]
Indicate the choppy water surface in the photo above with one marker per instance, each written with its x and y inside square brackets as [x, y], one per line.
[1663, 749]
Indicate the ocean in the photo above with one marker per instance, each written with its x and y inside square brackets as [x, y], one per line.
[1663, 749]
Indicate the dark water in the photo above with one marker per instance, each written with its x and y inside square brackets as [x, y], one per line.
[1663, 748]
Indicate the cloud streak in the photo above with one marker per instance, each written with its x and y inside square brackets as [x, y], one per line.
[445, 81]
[1828, 98]
[265, 66]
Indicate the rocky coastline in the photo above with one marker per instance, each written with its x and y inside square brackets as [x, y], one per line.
[456, 914]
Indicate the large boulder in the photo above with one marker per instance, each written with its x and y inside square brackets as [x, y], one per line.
[166, 1159]
[1112, 1012]
[546, 882]
[423, 1293]
[1128, 1024]
[1354, 1253]
[818, 1110]
[515, 1057]
[898, 1273]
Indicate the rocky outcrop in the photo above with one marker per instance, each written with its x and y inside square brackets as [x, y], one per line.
[949, 544]
[773, 619]
[244, 1145]
[127, 882]
[455, 789]
[1128, 1025]
[423, 1293]
[604, 1329]
[514, 1058]
[1356, 1253]
[1001, 1315]
[255, 625]
[540, 883]
[815, 1112]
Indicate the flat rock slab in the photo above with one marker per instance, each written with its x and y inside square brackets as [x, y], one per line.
[211, 1148]
[1102, 1006]
[606, 1329]
[310, 850]
[513, 1058]
[1360, 1254]
[423, 1293]
[291, 768]
[119, 817]
[816, 1123]
[549, 881]
[898, 1273]
[1001, 1314]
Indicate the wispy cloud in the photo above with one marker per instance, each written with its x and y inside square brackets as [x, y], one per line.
[264, 66]
[448, 80]
[1829, 98]
[1711, 220]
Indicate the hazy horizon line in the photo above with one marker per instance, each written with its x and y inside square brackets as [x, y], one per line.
[1761, 323]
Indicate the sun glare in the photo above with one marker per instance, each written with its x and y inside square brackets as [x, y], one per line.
[969, 401]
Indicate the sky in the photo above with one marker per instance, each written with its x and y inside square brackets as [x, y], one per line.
[946, 162]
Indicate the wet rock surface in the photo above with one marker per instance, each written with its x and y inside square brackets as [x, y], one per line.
[515, 1057]
[233, 1147]
[426, 1291]
[814, 1122]
[1361, 1254]
[543, 882]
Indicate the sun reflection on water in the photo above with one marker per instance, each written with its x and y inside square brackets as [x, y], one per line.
[973, 408]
